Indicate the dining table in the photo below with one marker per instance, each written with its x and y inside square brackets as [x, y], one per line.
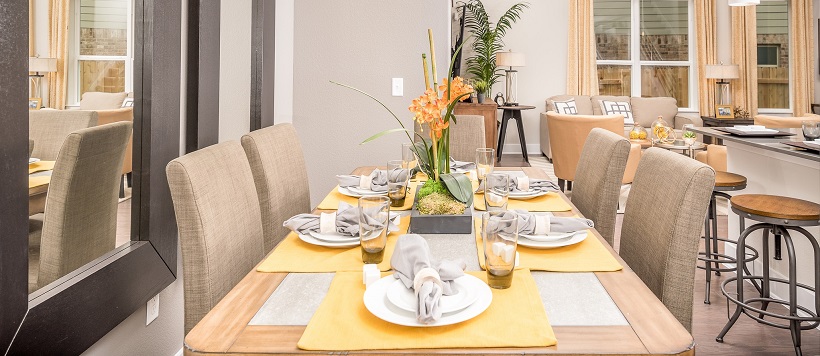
[591, 313]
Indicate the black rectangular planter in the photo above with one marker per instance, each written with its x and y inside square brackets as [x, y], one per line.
[440, 224]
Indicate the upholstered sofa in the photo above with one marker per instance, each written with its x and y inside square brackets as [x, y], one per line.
[644, 111]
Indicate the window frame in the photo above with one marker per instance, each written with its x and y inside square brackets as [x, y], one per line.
[790, 109]
[74, 57]
[635, 63]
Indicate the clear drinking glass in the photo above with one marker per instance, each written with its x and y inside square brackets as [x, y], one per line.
[374, 212]
[811, 130]
[496, 191]
[484, 162]
[499, 232]
[408, 157]
[398, 178]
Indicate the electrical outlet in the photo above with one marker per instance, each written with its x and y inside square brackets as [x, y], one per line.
[152, 310]
[398, 86]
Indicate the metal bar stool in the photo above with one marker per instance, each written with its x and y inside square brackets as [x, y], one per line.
[724, 181]
[778, 215]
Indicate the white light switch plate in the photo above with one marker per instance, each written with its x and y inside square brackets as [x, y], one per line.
[152, 309]
[398, 86]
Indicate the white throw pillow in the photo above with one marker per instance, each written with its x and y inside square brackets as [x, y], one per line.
[618, 107]
[565, 107]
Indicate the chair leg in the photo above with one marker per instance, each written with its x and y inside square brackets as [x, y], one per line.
[707, 247]
[561, 184]
[129, 177]
[122, 188]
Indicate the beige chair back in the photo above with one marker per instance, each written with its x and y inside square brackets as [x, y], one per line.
[49, 128]
[220, 228]
[597, 183]
[80, 220]
[781, 121]
[94, 100]
[568, 134]
[280, 176]
[117, 115]
[662, 226]
[466, 135]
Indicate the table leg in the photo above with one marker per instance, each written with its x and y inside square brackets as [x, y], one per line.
[521, 139]
[505, 117]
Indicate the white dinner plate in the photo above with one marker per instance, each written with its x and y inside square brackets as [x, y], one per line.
[552, 236]
[33, 160]
[466, 288]
[375, 300]
[334, 237]
[576, 238]
[527, 195]
[358, 193]
[314, 241]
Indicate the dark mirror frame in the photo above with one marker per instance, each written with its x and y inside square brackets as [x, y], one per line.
[71, 314]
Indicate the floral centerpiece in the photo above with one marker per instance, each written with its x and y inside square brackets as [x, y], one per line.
[444, 192]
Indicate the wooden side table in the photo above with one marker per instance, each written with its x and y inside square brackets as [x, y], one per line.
[490, 112]
[512, 113]
[711, 121]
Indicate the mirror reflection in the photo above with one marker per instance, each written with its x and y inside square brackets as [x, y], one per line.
[80, 134]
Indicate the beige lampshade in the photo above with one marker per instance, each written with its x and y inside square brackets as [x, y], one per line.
[743, 2]
[510, 59]
[722, 71]
[37, 64]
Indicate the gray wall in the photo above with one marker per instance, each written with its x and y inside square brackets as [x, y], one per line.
[363, 44]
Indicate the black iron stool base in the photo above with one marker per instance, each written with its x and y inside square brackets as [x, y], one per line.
[744, 305]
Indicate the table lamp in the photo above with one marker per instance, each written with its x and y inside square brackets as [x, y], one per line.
[722, 72]
[38, 66]
[510, 59]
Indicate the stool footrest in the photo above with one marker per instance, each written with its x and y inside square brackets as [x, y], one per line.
[813, 317]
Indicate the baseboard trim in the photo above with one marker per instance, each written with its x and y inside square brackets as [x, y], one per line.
[515, 148]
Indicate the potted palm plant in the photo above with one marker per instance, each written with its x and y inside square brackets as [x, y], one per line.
[488, 39]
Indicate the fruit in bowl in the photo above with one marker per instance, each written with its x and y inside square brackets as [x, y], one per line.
[637, 133]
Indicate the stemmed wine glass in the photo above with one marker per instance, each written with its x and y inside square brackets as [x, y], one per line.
[484, 162]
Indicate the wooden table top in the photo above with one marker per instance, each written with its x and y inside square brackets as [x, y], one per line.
[652, 329]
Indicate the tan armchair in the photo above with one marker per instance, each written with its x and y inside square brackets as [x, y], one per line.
[466, 135]
[119, 115]
[784, 121]
[714, 156]
[49, 128]
[93, 100]
[568, 134]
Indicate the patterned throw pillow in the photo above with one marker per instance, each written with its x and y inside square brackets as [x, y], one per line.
[618, 107]
[565, 107]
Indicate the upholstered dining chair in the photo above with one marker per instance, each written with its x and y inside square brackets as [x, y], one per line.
[466, 134]
[80, 219]
[49, 128]
[220, 227]
[30, 147]
[280, 176]
[662, 225]
[94, 100]
[117, 115]
[783, 121]
[568, 134]
[597, 179]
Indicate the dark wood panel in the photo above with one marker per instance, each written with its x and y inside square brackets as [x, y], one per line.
[262, 63]
[13, 153]
[202, 115]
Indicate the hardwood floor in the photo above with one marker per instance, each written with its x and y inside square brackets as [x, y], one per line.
[513, 160]
[747, 337]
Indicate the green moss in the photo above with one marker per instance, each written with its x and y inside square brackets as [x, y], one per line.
[430, 187]
[438, 203]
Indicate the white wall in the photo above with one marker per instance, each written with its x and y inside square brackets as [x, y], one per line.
[234, 69]
[541, 34]
[363, 44]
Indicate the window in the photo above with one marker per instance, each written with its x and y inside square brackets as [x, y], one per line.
[773, 56]
[659, 62]
[100, 46]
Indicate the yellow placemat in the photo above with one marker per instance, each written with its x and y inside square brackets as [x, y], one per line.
[516, 318]
[38, 181]
[331, 201]
[40, 166]
[295, 255]
[549, 202]
[589, 255]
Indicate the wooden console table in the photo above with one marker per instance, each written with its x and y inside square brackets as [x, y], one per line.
[489, 111]
[711, 121]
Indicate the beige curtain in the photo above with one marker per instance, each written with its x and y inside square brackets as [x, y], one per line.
[58, 48]
[706, 40]
[802, 55]
[744, 54]
[582, 71]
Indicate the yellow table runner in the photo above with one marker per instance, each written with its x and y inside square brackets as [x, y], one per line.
[589, 255]
[331, 201]
[295, 255]
[549, 202]
[38, 181]
[40, 166]
[516, 318]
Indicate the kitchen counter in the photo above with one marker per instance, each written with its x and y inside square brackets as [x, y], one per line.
[767, 143]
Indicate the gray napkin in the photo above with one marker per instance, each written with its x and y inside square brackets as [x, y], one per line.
[540, 185]
[347, 221]
[526, 223]
[410, 256]
[377, 184]
[461, 165]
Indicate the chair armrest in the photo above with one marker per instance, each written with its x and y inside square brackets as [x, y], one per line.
[683, 119]
[544, 138]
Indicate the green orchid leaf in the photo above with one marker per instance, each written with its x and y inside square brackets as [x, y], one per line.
[380, 134]
[459, 186]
